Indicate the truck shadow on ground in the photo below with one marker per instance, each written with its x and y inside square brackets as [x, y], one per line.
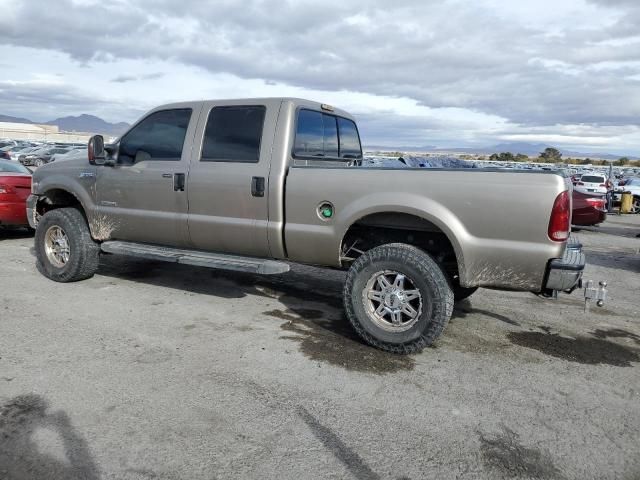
[21, 457]
[312, 313]
[13, 234]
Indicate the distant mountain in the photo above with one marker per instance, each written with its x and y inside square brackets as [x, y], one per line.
[89, 123]
[8, 119]
[81, 123]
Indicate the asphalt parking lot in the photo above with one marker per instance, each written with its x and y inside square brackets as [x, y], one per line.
[158, 371]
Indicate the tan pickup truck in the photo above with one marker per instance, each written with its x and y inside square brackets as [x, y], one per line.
[253, 184]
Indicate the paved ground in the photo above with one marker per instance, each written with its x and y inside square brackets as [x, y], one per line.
[154, 371]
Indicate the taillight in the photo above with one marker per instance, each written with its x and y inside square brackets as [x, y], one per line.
[598, 203]
[560, 222]
[580, 183]
[603, 185]
[7, 189]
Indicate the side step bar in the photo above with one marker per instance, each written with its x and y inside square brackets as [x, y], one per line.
[195, 257]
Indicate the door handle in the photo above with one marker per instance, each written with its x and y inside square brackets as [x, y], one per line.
[257, 186]
[167, 175]
[178, 182]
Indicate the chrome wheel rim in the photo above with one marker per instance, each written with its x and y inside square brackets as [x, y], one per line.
[56, 246]
[392, 301]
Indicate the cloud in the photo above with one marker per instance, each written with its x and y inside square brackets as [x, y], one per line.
[535, 65]
[134, 78]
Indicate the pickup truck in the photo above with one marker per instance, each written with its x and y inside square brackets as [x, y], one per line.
[254, 184]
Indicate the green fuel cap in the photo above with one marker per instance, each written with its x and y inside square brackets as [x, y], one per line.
[325, 210]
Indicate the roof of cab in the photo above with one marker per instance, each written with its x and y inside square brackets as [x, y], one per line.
[297, 102]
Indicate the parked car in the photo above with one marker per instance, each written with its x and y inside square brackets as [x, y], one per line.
[42, 156]
[250, 185]
[588, 209]
[592, 183]
[630, 185]
[74, 152]
[15, 187]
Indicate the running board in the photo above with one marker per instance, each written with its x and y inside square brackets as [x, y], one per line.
[195, 257]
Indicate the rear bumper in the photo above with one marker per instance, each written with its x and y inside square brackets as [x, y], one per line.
[564, 274]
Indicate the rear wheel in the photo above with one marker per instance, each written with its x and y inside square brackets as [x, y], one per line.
[65, 250]
[397, 298]
[635, 206]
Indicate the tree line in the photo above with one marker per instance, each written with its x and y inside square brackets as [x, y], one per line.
[553, 155]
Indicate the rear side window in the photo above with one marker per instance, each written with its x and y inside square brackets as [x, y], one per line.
[233, 134]
[349, 139]
[592, 179]
[322, 135]
[160, 136]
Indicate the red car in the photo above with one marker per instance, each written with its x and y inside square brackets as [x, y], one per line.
[588, 209]
[15, 187]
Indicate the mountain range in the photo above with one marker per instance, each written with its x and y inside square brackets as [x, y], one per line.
[80, 123]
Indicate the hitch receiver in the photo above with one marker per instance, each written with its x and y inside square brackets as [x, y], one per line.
[597, 293]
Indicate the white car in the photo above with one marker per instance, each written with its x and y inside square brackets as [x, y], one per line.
[632, 185]
[592, 183]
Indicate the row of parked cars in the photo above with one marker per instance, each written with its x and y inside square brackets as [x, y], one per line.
[37, 154]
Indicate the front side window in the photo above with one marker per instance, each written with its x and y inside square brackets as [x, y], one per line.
[233, 134]
[326, 136]
[160, 136]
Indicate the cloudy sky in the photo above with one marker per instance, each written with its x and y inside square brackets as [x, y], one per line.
[414, 72]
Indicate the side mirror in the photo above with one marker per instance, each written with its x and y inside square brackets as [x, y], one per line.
[95, 148]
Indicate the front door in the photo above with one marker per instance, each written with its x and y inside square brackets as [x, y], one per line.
[143, 198]
[229, 177]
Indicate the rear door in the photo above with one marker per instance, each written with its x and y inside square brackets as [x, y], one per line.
[143, 198]
[229, 177]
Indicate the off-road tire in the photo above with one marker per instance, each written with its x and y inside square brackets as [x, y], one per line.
[426, 276]
[84, 252]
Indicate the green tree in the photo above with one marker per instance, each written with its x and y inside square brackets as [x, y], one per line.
[522, 158]
[551, 155]
[622, 161]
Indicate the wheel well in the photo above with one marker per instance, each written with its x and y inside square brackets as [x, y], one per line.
[56, 198]
[381, 228]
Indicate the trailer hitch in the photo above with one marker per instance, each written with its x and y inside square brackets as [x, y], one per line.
[593, 292]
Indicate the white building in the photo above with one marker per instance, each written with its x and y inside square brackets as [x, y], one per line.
[46, 133]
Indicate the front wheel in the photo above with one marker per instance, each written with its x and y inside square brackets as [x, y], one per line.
[397, 298]
[65, 250]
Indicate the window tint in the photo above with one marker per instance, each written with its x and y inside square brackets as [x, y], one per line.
[13, 167]
[322, 135]
[349, 139]
[233, 134]
[330, 135]
[592, 179]
[309, 134]
[160, 136]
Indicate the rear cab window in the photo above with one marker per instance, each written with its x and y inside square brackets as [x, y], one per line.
[592, 179]
[325, 136]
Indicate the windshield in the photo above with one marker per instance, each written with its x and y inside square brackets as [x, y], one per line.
[10, 167]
